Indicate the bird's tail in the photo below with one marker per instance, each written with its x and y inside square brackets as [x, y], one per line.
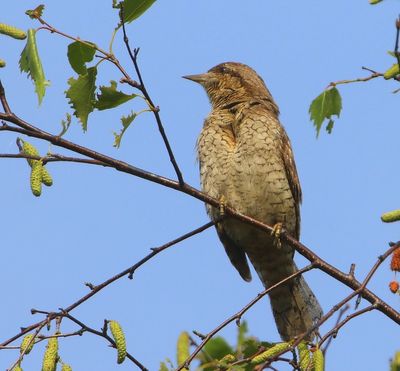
[294, 305]
[295, 308]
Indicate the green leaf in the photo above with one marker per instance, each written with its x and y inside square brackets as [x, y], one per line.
[126, 121]
[35, 13]
[81, 95]
[329, 127]
[80, 53]
[31, 64]
[135, 8]
[110, 97]
[167, 365]
[163, 367]
[250, 346]
[65, 125]
[373, 2]
[395, 365]
[323, 107]
[216, 349]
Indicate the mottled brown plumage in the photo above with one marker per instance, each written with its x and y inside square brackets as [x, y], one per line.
[246, 159]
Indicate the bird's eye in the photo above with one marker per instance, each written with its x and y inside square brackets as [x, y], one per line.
[224, 69]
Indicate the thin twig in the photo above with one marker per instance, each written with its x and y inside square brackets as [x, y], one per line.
[107, 56]
[396, 44]
[361, 289]
[334, 331]
[360, 79]
[346, 279]
[102, 334]
[381, 259]
[317, 262]
[95, 289]
[187, 189]
[53, 157]
[3, 100]
[31, 341]
[155, 110]
[237, 316]
[340, 315]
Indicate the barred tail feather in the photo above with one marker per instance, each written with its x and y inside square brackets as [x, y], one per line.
[295, 308]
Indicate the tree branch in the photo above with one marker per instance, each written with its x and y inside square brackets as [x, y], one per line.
[156, 111]
[346, 279]
[95, 289]
[102, 334]
[237, 316]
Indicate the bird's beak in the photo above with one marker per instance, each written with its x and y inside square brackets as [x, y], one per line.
[200, 79]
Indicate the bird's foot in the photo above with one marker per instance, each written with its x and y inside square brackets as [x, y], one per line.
[276, 233]
[222, 205]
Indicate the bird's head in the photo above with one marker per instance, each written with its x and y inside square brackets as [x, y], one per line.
[229, 83]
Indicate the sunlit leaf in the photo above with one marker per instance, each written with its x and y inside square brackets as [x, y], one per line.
[163, 367]
[323, 107]
[81, 95]
[126, 121]
[135, 8]
[216, 348]
[35, 13]
[31, 64]
[395, 364]
[65, 125]
[80, 53]
[110, 97]
[250, 346]
[329, 127]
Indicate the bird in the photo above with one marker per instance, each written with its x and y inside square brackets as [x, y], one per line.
[246, 161]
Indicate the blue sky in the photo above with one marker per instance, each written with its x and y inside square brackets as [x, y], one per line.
[95, 222]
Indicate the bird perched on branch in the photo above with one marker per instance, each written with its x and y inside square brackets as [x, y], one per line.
[246, 161]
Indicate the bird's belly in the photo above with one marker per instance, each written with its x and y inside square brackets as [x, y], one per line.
[259, 188]
[251, 177]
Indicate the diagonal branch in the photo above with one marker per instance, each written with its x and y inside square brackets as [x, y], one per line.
[95, 289]
[102, 334]
[237, 316]
[346, 279]
[53, 157]
[332, 333]
[156, 111]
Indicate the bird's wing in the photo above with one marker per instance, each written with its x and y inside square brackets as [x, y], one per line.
[235, 253]
[293, 178]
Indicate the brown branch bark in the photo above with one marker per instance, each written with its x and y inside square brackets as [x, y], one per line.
[102, 334]
[156, 110]
[319, 263]
[95, 158]
[237, 316]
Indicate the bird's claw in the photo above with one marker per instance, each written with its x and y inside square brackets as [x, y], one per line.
[222, 205]
[276, 233]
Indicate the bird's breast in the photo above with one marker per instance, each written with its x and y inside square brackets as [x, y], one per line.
[244, 165]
